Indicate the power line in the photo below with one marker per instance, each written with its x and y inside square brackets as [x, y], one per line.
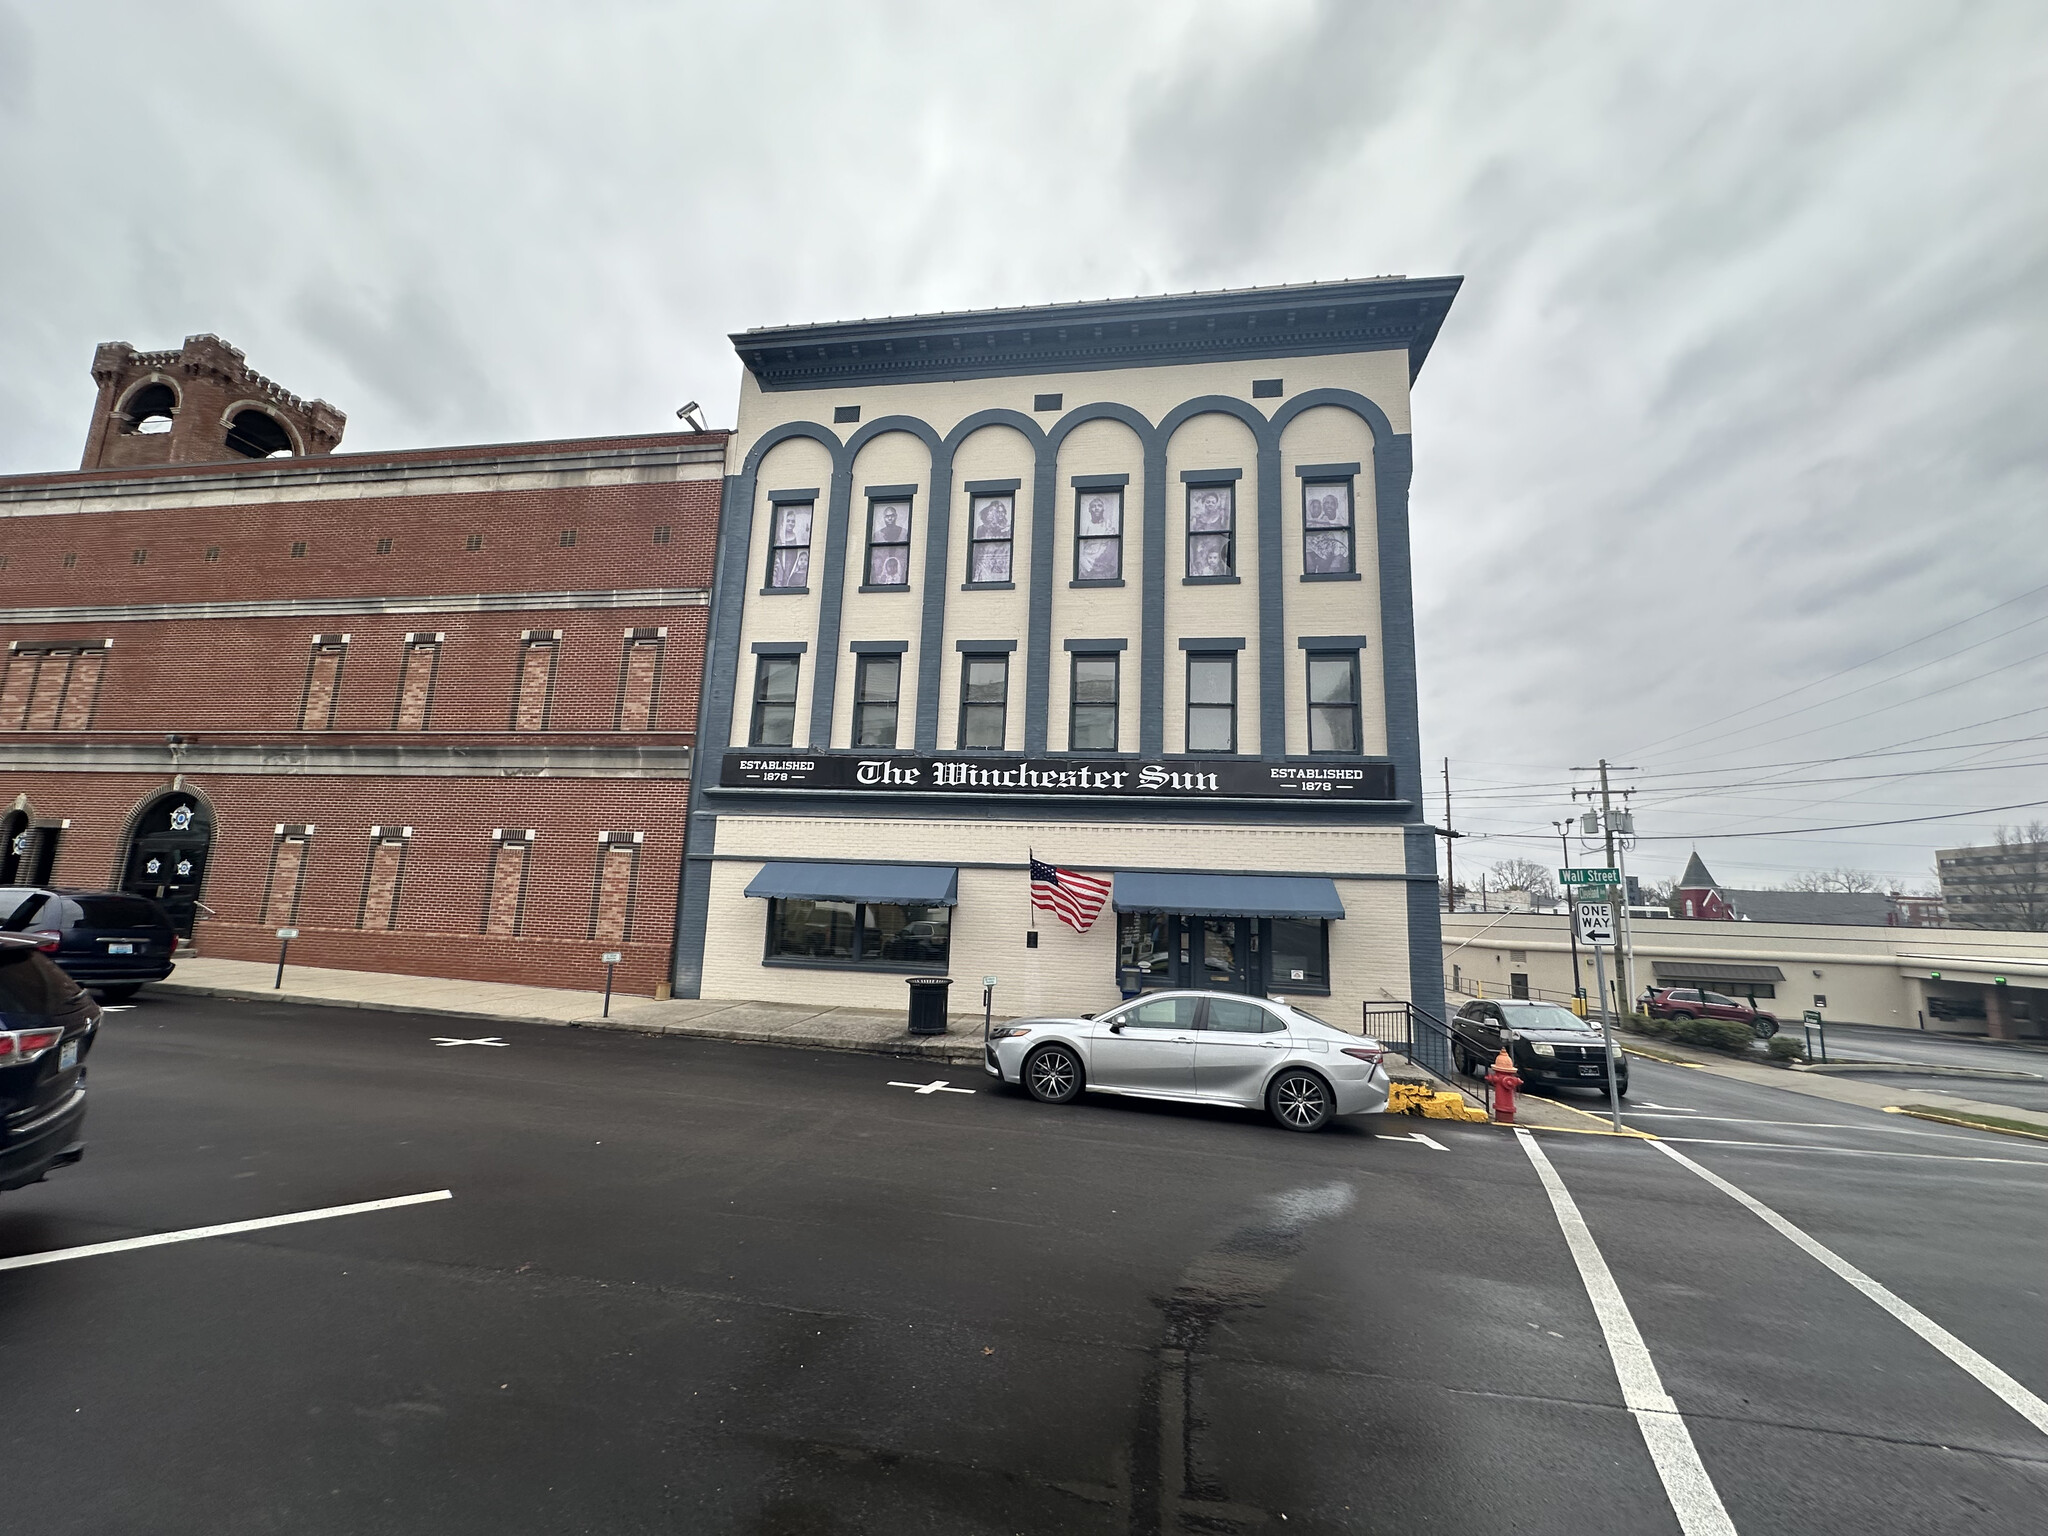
[1854, 826]
[1857, 667]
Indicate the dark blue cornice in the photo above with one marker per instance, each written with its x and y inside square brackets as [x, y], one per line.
[1307, 319]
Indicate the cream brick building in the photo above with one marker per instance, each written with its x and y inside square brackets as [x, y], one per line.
[1123, 586]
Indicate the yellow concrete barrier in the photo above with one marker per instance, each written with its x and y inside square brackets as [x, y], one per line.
[1423, 1100]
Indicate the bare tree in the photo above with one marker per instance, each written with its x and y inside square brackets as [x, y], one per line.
[1844, 879]
[1525, 875]
[1659, 893]
[2003, 886]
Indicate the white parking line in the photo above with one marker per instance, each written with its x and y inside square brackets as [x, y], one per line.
[1678, 1109]
[487, 1040]
[1694, 1499]
[225, 1229]
[1793, 1146]
[1819, 1125]
[937, 1087]
[2017, 1397]
[1427, 1141]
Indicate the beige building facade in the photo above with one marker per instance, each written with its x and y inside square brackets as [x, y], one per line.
[1961, 981]
[1119, 587]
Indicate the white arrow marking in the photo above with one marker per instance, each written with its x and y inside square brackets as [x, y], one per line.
[1427, 1141]
[1675, 1108]
[487, 1040]
[937, 1087]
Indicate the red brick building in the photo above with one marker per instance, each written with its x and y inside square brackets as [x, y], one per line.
[434, 709]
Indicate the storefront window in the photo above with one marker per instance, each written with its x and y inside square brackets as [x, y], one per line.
[1297, 954]
[857, 933]
[1145, 940]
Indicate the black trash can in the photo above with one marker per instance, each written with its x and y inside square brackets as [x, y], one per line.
[928, 1004]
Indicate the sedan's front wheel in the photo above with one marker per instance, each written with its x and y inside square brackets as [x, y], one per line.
[1052, 1075]
[1299, 1101]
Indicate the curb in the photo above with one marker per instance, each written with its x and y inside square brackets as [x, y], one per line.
[957, 1053]
[1969, 1125]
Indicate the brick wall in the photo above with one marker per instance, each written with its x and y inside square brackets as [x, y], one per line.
[439, 903]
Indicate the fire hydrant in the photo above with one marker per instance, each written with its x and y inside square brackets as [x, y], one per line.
[1505, 1080]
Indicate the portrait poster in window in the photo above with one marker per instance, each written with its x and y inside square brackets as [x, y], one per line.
[1209, 519]
[888, 543]
[1100, 557]
[992, 525]
[792, 566]
[1326, 540]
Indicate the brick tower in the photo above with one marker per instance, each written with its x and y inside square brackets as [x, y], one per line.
[201, 404]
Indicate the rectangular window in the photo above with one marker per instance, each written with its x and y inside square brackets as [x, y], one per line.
[1212, 530]
[383, 546]
[212, 552]
[140, 557]
[1099, 535]
[298, 549]
[383, 877]
[1212, 702]
[505, 906]
[774, 701]
[323, 682]
[789, 552]
[538, 649]
[611, 904]
[474, 543]
[991, 527]
[850, 933]
[51, 687]
[1298, 955]
[639, 679]
[888, 544]
[1333, 701]
[1326, 529]
[661, 533]
[415, 703]
[568, 538]
[984, 700]
[82, 692]
[1144, 943]
[876, 681]
[1092, 726]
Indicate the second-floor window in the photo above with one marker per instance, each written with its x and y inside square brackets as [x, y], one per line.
[1212, 701]
[1333, 701]
[984, 700]
[1092, 727]
[1212, 529]
[1326, 548]
[888, 544]
[991, 526]
[789, 554]
[877, 680]
[1099, 536]
[774, 701]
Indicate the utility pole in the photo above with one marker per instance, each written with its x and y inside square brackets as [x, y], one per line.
[1571, 924]
[1624, 953]
[1448, 834]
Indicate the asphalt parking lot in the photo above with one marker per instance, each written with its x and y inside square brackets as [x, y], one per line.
[685, 1286]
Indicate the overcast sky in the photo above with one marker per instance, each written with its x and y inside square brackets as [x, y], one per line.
[1751, 358]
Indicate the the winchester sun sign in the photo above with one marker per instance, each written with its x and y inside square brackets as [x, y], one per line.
[1114, 778]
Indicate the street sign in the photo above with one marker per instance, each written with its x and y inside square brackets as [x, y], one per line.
[1589, 876]
[1813, 1016]
[287, 933]
[611, 957]
[1596, 923]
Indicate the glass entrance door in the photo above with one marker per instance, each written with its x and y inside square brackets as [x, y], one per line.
[1224, 964]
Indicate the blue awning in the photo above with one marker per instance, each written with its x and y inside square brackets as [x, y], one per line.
[1227, 895]
[901, 885]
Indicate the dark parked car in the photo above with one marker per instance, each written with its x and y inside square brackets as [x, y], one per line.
[1551, 1046]
[47, 1025]
[108, 940]
[1697, 1003]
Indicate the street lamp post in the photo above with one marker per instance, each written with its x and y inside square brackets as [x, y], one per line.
[1571, 926]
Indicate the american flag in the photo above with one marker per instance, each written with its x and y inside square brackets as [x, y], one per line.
[1073, 899]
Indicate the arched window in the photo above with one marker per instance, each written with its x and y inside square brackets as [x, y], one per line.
[150, 409]
[258, 435]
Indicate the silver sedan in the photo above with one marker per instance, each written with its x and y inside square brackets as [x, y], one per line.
[1198, 1048]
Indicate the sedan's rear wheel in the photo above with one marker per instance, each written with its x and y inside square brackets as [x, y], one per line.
[1467, 1062]
[1052, 1075]
[1299, 1101]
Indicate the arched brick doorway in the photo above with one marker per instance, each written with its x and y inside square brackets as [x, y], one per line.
[167, 855]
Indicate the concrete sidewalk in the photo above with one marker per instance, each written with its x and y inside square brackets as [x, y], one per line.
[480, 1003]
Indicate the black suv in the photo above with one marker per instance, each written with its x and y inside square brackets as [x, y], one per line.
[108, 940]
[1551, 1046]
[47, 1025]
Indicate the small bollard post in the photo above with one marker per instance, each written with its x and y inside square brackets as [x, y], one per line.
[611, 958]
[284, 942]
[988, 1006]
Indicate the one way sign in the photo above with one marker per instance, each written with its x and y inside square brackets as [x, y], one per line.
[1596, 923]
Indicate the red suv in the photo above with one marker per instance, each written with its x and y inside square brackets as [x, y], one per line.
[1697, 1003]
